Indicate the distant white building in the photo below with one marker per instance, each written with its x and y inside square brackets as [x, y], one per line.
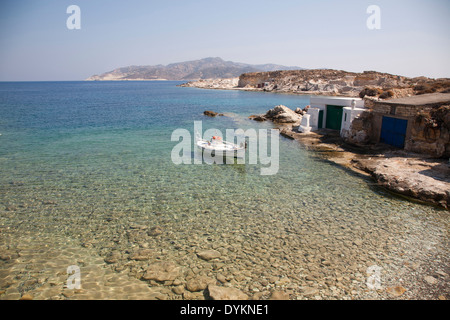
[336, 113]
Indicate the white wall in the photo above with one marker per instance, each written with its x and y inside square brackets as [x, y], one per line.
[314, 119]
[320, 103]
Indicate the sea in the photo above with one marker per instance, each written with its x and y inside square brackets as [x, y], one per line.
[87, 181]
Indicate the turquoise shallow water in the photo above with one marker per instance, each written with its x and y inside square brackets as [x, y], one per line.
[89, 163]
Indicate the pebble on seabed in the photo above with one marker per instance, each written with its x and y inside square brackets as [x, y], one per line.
[304, 247]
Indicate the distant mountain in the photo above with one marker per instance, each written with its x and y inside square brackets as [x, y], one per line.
[208, 68]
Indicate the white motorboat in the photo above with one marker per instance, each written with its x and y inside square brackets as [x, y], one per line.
[218, 146]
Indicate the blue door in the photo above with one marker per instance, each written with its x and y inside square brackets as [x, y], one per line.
[393, 132]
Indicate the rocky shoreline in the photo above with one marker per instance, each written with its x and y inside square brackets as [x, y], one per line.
[415, 176]
[327, 82]
[220, 84]
[403, 173]
[412, 175]
[246, 255]
[302, 259]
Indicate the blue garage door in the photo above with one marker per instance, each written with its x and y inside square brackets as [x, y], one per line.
[393, 132]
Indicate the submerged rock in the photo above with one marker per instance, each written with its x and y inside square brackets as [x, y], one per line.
[162, 271]
[278, 295]
[7, 255]
[259, 118]
[222, 293]
[155, 231]
[142, 255]
[287, 133]
[209, 254]
[396, 291]
[309, 291]
[26, 297]
[430, 280]
[200, 283]
[210, 113]
[113, 257]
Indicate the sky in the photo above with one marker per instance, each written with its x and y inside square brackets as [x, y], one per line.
[36, 44]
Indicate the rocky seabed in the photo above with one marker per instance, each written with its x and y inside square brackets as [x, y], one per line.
[231, 257]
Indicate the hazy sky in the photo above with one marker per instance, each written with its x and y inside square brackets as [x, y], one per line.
[35, 43]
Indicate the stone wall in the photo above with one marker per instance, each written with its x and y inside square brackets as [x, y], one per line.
[428, 129]
[360, 131]
[430, 132]
[399, 110]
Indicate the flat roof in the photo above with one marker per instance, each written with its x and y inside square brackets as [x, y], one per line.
[338, 101]
[420, 100]
[319, 97]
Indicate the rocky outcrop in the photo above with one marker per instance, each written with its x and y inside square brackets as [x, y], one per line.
[199, 283]
[424, 179]
[221, 84]
[210, 113]
[337, 82]
[259, 118]
[408, 174]
[213, 114]
[331, 82]
[281, 115]
[430, 132]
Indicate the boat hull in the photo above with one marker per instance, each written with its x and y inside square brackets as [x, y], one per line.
[224, 150]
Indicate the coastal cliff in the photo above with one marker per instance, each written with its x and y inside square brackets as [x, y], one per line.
[329, 82]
